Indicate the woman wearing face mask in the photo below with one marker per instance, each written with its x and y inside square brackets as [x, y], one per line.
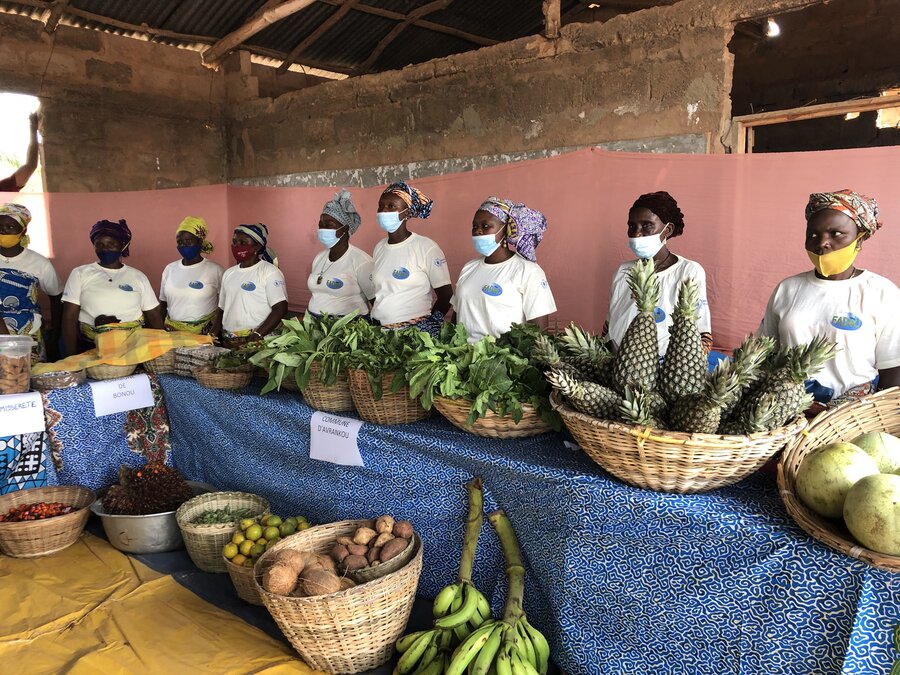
[503, 286]
[253, 299]
[652, 220]
[107, 295]
[189, 290]
[341, 276]
[856, 308]
[23, 273]
[407, 266]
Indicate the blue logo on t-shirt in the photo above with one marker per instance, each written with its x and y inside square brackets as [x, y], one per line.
[334, 284]
[849, 322]
[492, 290]
[400, 273]
[659, 315]
[248, 286]
[126, 287]
[196, 284]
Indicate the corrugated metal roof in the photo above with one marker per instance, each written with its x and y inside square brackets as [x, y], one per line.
[345, 46]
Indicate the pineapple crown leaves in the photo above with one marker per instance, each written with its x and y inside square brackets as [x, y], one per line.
[544, 352]
[750, 357]
[723, 384]
[688, 299]
[635, 408]
[796, 364]
[644, 285]
[564, 383]
[578, 341]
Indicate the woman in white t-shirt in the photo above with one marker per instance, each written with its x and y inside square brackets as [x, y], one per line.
[23, 273]
[189, 290]
[253, 299]
[107, 295]
[857, 309]
[340, 280]
[654, 219]
[407, 266]
[503, 286]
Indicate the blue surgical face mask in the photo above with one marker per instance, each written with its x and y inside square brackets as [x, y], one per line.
[329, 238]
[189, 252]
[389, 221]
[646, 247]
[108, 257]
[485, 244]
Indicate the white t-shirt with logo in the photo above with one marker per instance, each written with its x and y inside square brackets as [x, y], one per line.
[403, 275]
[124, 293]
[490, 298]
[862, 315]
[34, 264]
[346, 283]
[622, 308]
[248, 295]
[190, 291]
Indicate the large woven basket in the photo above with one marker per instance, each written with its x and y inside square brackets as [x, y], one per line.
[328, 397]
[33, 538]
[491, 425]
[161, 365]
[107, 372]
[189, 359]
[233, 378]
[878, 412]
[242, 578]
[350, 631]
[204, 542]
[391, 408]
[673, 461]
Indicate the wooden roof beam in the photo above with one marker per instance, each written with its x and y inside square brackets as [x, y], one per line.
[323, 28]
[552, 18]
[271, 12]
[408, 20]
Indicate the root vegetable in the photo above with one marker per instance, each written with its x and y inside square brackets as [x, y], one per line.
[346, 541]
[373, 554]
[358, 549]
[393, 548]
[382, 539]
[320, 582]
[339, 552]
[404, 529]
[364, 535]
[354, 562]
[384, 524]
[279, 579]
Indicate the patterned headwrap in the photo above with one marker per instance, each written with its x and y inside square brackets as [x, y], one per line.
[342, 210]
[118, 231]
[259, 233]
[197, 227]
[19, 214]
[862, 210]
[524, 226]
[419, 204]
[664, 207]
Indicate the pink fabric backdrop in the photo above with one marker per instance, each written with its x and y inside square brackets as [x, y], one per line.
[743, 214]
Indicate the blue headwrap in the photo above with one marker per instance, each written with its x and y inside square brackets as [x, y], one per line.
[259, 233]
[118, 231]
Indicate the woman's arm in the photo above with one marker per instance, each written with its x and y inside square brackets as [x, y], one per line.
[279, 309]
[70, 313]
[889, 377]
[163, 310]
[153, 318]
[442, 303]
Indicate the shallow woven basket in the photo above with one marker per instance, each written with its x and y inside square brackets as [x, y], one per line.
[204, 542]
[367, 574]
[673, 461]
[108, 372]
[391, 408]
[878, 412]
[189, 359]
[328, 397]
[60, 379]
[233, 378]
[242, 578]
[33, 538]
[491, 425]
[349, 631]
[161, 365]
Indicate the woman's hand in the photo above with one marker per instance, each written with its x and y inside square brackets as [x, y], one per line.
[104, 319]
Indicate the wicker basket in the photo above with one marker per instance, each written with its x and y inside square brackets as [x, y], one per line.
[33, 538]
[878, 412]
[189, 359]
[673, 461]
[161, 365]
[491, 425]
[391, 408]
[204, 542]
[349, 631]
[334, 398]
[233, 378]
[367, 574]
[242, 578]
[60, 379]
[107, 372]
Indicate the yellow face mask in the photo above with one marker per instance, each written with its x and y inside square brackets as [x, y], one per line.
[835, 262]
[10, 240]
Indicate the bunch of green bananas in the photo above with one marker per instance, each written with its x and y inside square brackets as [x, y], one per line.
[503, 648]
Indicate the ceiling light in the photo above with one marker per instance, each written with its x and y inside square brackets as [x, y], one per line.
[851, 116]
[772, 28]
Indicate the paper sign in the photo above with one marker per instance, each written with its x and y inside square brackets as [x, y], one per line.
[21, 414]
[334, 439]
[121, 395]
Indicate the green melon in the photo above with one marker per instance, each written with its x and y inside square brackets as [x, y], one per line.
[828, 473]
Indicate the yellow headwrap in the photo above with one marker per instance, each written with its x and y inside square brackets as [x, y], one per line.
[197, 227]
[22, 216]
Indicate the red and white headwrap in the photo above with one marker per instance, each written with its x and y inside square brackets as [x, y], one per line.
[862, 210]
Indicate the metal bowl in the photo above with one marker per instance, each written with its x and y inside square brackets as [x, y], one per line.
[151, 533]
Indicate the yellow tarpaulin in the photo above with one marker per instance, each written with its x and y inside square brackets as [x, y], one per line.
[90, 609]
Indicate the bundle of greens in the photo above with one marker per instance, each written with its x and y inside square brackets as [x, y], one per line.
[379, 352]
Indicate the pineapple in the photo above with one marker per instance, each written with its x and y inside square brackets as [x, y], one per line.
[749, 361]
[684, 370]
[545, 354]
[587, 353]
[635, 408]
[758, 417]
[638, 356]
[586, 397]
[701, 412]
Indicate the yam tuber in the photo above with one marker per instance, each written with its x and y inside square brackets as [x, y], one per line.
[358, 549]
[346, 541]
[384, 524]
[339, 552]
[393, 548]
[382, 539]
[364, 535]
[354, 562]
[373, 554]
[404, 529]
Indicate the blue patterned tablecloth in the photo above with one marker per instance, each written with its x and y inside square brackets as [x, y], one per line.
[621, 580]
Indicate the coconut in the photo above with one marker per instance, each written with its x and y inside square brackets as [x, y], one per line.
[872, 512]
[827, 473]
[279, 579]
[883, 448]
[291, 557]
[320, 582]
